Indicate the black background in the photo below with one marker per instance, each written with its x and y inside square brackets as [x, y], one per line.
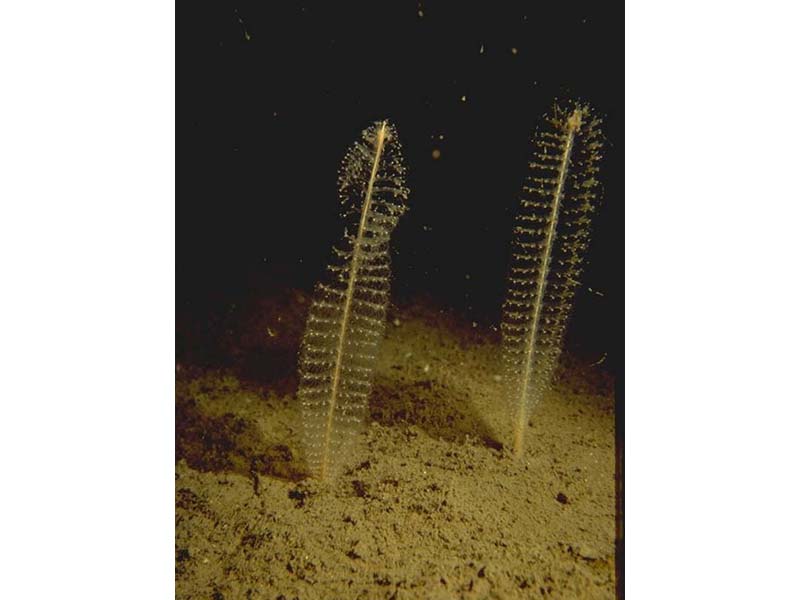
[271, 94]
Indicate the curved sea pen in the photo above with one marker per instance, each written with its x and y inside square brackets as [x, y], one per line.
[347, 317]
[550, 238]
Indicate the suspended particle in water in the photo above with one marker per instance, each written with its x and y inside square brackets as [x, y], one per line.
[245, 33]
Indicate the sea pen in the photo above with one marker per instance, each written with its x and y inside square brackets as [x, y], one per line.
[348, 314]
[549, 242]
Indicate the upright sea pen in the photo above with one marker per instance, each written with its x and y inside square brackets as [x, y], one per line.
[550, 238]
[348, 315]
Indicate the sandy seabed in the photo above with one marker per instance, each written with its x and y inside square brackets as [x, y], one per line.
[430, 505]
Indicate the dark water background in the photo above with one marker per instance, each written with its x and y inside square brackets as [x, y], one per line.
[270, 95]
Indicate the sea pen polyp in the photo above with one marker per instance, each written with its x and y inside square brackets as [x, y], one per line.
[550, 238]
[347, 317]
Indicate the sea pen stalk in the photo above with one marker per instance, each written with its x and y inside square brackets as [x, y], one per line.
[347, 317]
[550, 238]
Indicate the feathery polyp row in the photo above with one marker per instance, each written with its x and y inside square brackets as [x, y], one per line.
[348, 314]
[550, 238]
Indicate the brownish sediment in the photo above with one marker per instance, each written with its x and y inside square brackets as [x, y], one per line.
[432, 505]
